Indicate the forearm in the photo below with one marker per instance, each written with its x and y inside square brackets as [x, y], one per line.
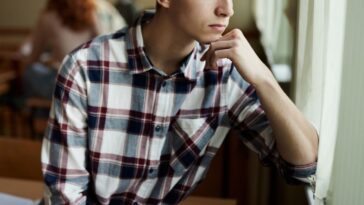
[297, 141]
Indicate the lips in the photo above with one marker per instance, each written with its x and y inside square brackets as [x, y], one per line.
[218, 27]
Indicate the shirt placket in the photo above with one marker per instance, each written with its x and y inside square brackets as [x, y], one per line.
[162, 109]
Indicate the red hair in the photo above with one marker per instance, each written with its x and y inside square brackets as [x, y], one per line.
[75, 14]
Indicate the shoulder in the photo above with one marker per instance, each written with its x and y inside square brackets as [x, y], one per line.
[103, 52]
[96, 48]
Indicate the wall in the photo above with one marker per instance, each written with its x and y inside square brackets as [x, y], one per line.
[242, 18]
[19, 13]
[347, 183]
[23, 13]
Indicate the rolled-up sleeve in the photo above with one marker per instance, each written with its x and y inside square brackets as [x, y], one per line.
[249, 119]
[65, 141]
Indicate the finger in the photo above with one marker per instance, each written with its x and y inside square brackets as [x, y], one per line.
[233, 34]
[213, 61]
[225, 53]
[225, 37]
[228, 36]
[219, 54]
[217, 46]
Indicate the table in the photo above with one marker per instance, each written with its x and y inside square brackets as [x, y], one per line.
[197, 200]
[22, 188]
[34, 190]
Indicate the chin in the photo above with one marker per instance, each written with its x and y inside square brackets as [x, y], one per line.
[209, 38]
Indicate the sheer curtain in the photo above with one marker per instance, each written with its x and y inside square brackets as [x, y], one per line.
[317, 67]
[275, 19]
[318, 76]
[275, 28]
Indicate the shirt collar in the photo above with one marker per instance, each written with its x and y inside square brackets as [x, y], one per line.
[138, 61]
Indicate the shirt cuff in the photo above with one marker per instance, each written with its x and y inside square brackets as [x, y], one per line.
[298, 174]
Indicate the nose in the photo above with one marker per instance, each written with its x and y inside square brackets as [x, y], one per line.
[224, 8]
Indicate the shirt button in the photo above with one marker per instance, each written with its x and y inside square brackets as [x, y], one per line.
[164, 84]
[151, 171]
[158, 128]
[135, 203]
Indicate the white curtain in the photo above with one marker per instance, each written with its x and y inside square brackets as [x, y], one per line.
[274, 21]
[317, 71]
[275, 28]
[318, 74]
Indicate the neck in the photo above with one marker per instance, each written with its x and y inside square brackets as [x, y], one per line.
[165, 46]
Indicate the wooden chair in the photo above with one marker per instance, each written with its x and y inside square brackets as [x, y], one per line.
[10, 72]
[5, 78]
[37, 123]
[6, 116]
[20, 158]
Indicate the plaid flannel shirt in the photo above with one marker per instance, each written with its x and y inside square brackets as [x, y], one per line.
[123, 132]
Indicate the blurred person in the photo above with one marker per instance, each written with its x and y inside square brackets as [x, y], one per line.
[138, 115]
[60, 28]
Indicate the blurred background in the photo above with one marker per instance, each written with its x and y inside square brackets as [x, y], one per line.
[313, 48]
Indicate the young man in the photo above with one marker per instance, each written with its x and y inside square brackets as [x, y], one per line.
[138, 115]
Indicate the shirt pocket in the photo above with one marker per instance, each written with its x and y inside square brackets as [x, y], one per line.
[189, 140]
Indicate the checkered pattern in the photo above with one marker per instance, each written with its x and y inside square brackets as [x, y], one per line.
[123, 132]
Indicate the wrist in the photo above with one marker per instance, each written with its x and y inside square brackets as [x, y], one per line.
[263, 78]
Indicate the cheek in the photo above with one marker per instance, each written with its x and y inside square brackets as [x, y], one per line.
[194, 22]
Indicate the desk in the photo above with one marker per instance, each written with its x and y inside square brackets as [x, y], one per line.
[197, 200]
[34, 190]
[23, 188]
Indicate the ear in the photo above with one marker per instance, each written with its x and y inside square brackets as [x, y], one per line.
[164, 3]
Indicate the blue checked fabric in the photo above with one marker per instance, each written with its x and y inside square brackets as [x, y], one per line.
[123, 132]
